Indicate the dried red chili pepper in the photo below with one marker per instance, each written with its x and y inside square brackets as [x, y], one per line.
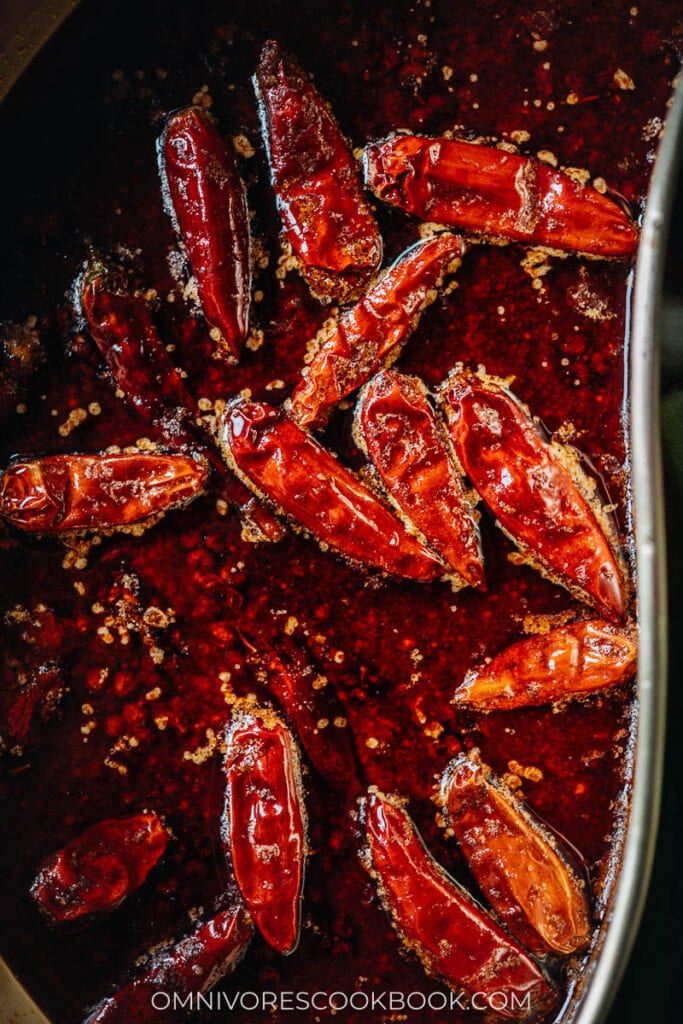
[206, 200]
[120, 324]
[455, 939]
[124, 332]
[372, 333]
[400, 433]
[91, 492]
[194, 964]
[264, 823]
[273, 455]
[325, 216]
[96, 871]
[520, 866]
[566, 663]
[492, 192]
[533, 495]
[315, 713]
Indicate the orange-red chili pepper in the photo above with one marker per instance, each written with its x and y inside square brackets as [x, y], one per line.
[372, 333]
[566, 663]
[491, 192]
[520, 866]
[91, 492]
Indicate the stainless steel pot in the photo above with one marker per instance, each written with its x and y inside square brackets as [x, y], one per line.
[25, 28]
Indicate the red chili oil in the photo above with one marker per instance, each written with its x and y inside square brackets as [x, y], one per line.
[145, 626]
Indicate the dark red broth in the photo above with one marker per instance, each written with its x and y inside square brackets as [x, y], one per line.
[146, 703]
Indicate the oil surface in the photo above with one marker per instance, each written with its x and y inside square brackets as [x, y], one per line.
[145, 624]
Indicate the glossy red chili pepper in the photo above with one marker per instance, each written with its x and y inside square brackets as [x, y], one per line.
[325, 216]
[566, 663]
[91, 492]
[206, 200]
[287, 465]
[406, 442]
[96, 871]
[313, 710]
[534, 497]
[194, 964]
[123, 330]
[492, 192]
[519, 865]
[264, 823]
[437, 919]
[372, 333]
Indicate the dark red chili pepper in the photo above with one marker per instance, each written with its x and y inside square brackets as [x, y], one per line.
[284, 463]
[128, 341]
[438, 920]
[96, 871]
[124, 332]
[533, 496]
[492, 192]
[325, 216]
[520, 866]
[194, 964]
[566, 663]
[372, 333]
[91, 492]
[406, 442]
[206, 200]
[264, 823]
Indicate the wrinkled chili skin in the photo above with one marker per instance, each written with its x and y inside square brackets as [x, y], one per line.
[533, 496]
[121, 326]
[90, 492]
[372, 332]
[519, 865]
[194, 964]
[453, 936]
[264, 824]
[325, 216]
[96, 871]
[492, 192]
[207, 202]
[567, 663]
[406, 442]
[296, 473]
